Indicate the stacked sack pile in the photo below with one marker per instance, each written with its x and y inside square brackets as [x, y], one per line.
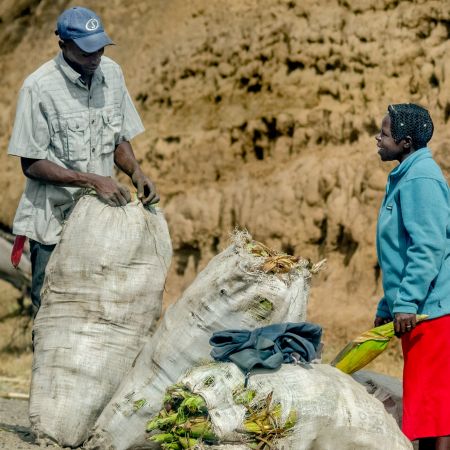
[244, 287]
[105, 375]
[299, 407]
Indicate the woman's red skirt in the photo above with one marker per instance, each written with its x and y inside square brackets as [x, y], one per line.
[426, 379]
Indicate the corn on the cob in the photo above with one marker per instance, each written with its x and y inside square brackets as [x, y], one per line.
[366, 347]
[190, 424]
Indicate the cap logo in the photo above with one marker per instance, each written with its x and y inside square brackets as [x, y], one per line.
[92, 24]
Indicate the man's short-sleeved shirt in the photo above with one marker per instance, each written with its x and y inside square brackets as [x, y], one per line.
[60, 119]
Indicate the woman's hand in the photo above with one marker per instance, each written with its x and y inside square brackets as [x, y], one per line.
[380, 321]
[404, 323]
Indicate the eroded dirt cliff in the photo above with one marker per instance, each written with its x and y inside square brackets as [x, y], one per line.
[260, 114]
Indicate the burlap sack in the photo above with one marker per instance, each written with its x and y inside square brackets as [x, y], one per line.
[333, 411]
[101, 298]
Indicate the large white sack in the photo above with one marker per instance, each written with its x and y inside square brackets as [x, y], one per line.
[101, 298]
[230, 293]
[334, 412]
[387, 389]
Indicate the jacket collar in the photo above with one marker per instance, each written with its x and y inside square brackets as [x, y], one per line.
[404, 166]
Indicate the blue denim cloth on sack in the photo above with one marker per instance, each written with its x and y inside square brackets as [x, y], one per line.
[267, 347]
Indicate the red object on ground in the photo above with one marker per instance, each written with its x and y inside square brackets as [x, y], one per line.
[426, 374]
[17, 250]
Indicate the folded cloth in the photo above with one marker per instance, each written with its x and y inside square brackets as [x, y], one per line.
[267, 347]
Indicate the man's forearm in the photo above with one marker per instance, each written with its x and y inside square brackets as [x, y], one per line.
[125, 160]
[106, 188]
[49, 172]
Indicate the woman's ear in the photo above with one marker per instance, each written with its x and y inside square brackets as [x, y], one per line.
[407, 143]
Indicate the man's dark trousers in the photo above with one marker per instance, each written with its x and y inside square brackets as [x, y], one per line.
[40, 254]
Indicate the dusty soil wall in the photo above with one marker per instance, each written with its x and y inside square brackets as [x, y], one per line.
[259, 114]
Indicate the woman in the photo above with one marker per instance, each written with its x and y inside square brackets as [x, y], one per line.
[413, 246]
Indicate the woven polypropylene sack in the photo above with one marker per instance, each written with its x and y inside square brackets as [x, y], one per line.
[229, 293]
[333, 411]
[101, 298]
[385, 388]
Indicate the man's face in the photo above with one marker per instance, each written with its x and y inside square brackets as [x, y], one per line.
[84, 63]
[388, 149]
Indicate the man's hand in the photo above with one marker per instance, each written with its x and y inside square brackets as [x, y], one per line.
[404, 323]
[145, 188]
[380, 321]
[110, 191]
[126, 161]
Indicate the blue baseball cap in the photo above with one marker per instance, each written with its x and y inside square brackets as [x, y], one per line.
[84, 27]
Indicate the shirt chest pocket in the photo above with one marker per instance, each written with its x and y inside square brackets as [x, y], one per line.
[77, 139]
[70, 138]
[112, 126]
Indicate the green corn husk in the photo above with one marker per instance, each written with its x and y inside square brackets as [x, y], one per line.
[190, 424]
[174, 396]
[184, 420]
[242, 396]
[261, 308]
[366, 347]
[291, 420]
[138, 404]
[271, 418]
[263, 423]
[194, 405]
[188, 442]
[199, 427]
[172, 446]
[163, 438]
[259, 249]
[253, 427]
[161, 423]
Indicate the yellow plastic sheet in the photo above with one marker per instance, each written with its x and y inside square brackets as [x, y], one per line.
[366, 347]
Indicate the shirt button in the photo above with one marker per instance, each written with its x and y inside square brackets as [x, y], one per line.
[93, 150]
[93, 121]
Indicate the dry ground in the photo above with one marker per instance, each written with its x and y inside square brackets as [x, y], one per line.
[14, 425]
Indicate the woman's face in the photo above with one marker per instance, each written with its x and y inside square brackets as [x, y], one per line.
[388, 149]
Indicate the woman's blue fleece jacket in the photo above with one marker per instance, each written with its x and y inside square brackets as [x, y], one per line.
[413, 239]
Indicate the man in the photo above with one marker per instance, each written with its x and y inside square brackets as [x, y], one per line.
[74, 120]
